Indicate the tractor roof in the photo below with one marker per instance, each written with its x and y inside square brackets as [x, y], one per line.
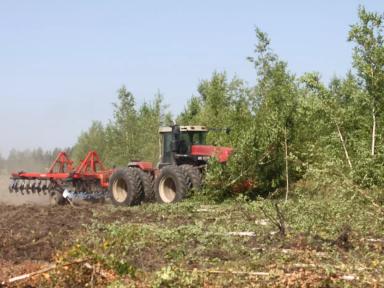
[184, 128]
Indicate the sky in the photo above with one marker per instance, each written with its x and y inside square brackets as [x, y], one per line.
[62, 62]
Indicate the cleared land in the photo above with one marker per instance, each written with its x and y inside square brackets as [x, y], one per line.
[192, 244]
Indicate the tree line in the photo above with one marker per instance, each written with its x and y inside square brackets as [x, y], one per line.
[29, 160]
[284, 128]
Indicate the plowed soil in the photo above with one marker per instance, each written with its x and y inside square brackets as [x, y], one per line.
[31, 230]
[30, 234]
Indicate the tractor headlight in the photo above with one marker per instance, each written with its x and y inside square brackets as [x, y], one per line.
[203, 158]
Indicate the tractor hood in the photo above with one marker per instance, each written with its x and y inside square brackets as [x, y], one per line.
[221, 153]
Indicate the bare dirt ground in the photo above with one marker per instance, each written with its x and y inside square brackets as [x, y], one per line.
[31, 230]
[30, 234]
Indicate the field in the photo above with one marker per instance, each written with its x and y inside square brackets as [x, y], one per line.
[196, 243]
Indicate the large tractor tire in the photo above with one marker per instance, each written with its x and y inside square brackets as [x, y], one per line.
[125, 188]
[193, 175]
[147, 189]
[170, 185]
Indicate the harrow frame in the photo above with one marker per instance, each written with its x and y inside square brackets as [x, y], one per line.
[89, 176]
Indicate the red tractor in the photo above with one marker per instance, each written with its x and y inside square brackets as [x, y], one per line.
[184, 155]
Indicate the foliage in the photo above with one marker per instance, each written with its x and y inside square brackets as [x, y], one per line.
[170, 276]
[122, 131]
[221, 104]
[282, 129]
[131, 135]
[271, 107]
[368, 59]
[93, 139]
[325, 127]
[368, 56]
[151, 116]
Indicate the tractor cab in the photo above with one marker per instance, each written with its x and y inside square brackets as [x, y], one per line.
[176, 143]
[187, 145]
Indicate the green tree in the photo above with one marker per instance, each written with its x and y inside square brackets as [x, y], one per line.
[275, 102]
[368, 59]
[132, 134]
[191, 112]
[221, 103]
[333, 104]
[91, 140]
[264, 117]
[122, 131]
[151, 116]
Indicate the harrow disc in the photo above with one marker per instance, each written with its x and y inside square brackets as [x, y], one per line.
[11, 185]
[28, 186]
[38, 186]
[16, 185]
[33, 186]
[44, 186]
[21, 186]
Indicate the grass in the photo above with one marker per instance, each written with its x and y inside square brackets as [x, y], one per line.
[325, 241]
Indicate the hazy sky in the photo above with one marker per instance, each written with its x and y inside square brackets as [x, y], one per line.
[61, 62]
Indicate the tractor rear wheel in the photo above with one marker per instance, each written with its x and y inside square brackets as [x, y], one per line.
[124, 186]
[147, 192]
[170, 185]
[193, 175]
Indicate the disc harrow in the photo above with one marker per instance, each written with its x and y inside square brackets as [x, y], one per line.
[90, 178]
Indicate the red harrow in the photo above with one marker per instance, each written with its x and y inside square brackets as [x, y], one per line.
[89, 177]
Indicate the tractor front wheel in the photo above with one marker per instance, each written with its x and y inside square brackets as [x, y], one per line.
[170, 185]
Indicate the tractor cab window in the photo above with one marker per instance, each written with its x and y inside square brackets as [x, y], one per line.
[198, 138]
[187, 139]
[167, 148]
[184, 144]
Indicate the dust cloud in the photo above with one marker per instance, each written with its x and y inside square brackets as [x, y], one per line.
[18, 198]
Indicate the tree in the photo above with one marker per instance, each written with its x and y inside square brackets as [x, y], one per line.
[264, 120]
[368, 59]
[151, 115]
[330, 104]
[221, 103]
[91, 140]
[276, 99]
[122, 131]
[132, 134]
[191, 112]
